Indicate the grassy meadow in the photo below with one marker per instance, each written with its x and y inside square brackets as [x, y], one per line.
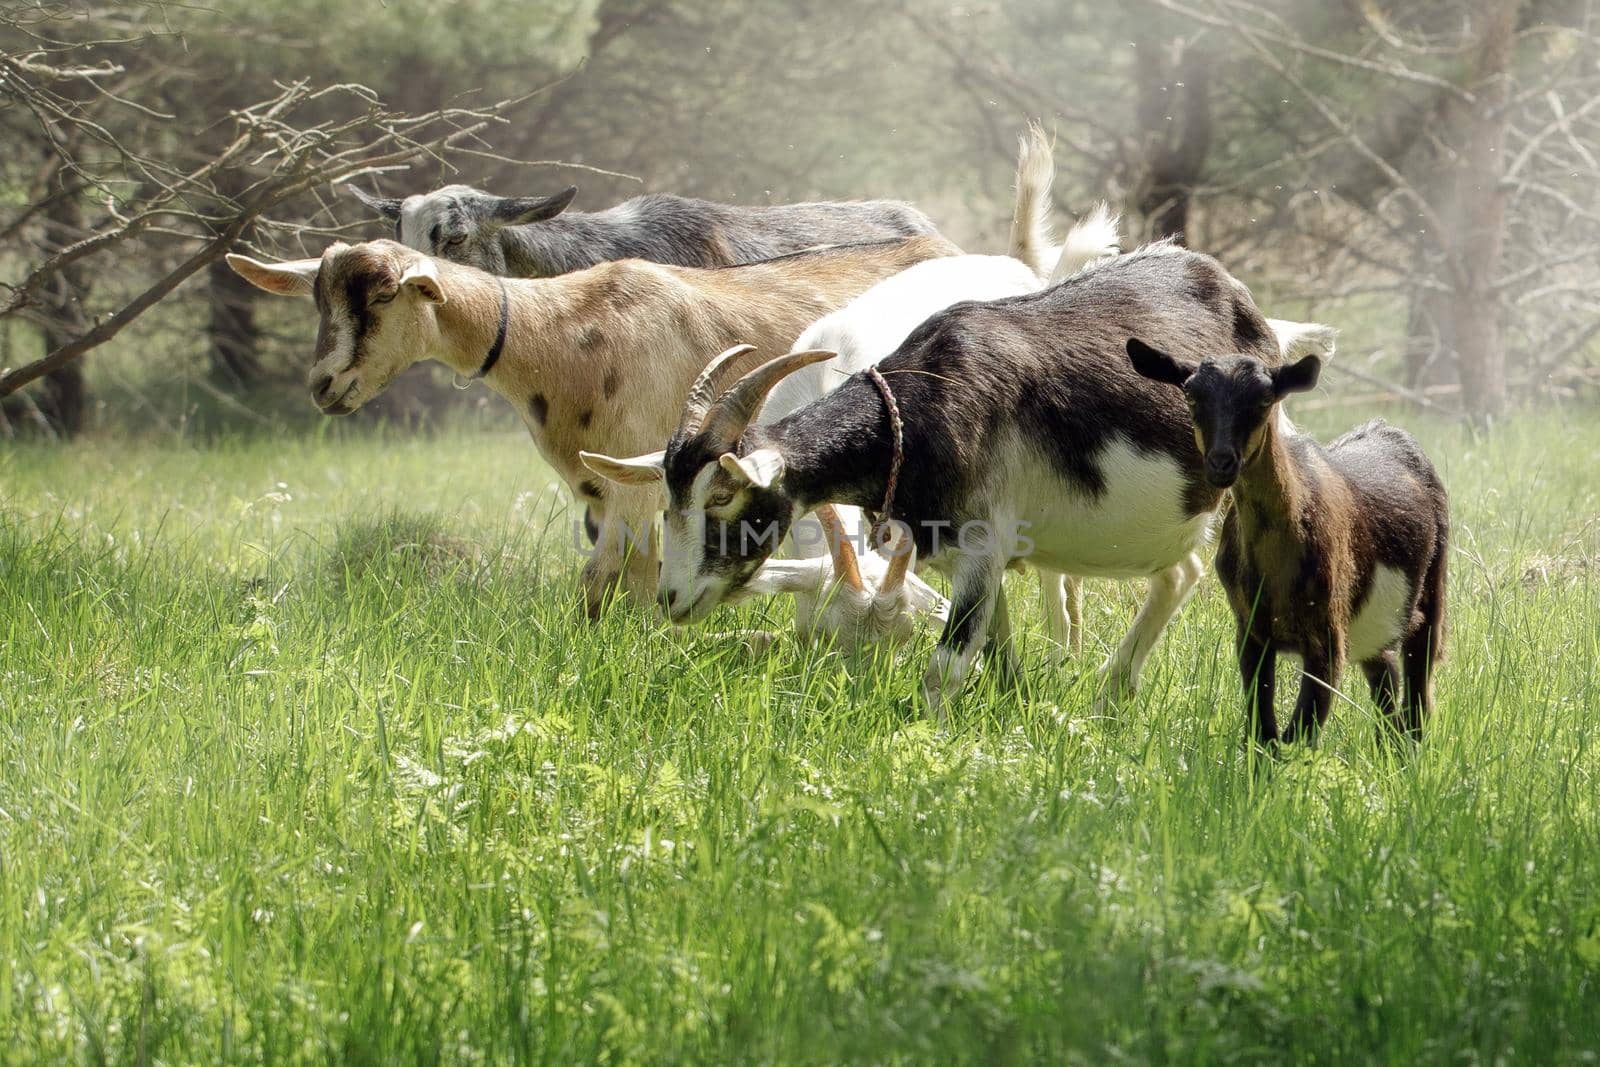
[309, 756]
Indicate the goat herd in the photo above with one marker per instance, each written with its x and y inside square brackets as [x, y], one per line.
[1081, 411]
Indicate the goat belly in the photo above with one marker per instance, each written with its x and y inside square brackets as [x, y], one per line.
[1138, 525]
[1381, 620]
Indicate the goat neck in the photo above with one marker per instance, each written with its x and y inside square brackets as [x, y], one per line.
[1269, 496]
[470, 318]
[569, 242]
[836, 450]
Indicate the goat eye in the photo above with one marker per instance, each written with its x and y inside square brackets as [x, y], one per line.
[383, 297]
[719, 500]
[455, 241]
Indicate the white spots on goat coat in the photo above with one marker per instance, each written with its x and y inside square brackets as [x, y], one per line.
[1383, 617]
[1135, 528]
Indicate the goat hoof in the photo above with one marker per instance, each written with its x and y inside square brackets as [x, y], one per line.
[1113, 694]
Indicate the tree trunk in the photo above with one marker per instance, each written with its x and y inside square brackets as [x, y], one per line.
[64, 399]
[1430, 352]
[1174, 113]
[1477, 215]
[231, 327]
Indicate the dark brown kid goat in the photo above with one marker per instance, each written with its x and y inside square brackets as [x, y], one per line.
[1329, 554]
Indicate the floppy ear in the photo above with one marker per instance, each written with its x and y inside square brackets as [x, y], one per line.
[760, 468]
[424, 277]
[519, 210]
[1298, 377]
[293, 278]
[639, 470]
[1157, 365]
[389, 209]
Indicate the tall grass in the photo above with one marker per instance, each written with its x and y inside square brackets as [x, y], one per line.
[309, 755]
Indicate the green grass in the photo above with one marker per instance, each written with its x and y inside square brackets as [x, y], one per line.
[310, 757]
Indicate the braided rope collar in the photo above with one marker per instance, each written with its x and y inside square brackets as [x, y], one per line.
[881, 519]
[499, 345]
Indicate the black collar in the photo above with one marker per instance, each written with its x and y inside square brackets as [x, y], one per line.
[499, 335]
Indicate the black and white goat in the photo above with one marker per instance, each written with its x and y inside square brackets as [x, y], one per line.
[536, 237]
[1027, 435]
[840, 600]
[1330, 554]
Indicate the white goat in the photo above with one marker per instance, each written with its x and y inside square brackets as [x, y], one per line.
[831, 594]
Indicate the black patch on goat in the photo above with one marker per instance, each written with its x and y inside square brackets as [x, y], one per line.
[1049, 366]
[540, 407]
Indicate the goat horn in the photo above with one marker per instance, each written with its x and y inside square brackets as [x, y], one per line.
[735, 408]
[845, 564]
[901, 553]
[704, 390]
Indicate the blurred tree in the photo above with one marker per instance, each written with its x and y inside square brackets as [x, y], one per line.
[416, 56]
[1174, 111]
[151, 197]
[1350, 157]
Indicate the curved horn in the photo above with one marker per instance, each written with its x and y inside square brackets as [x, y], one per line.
[736, 407]
[845, 565]
[521, 210]
[389, 209]
[704, 390]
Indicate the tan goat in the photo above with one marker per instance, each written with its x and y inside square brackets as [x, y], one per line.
[598, 360]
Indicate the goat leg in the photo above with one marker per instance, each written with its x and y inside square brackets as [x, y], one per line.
[845, 565]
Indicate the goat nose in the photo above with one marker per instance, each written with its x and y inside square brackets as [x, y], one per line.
[320, 386]
[668, 598]
[1222, 469]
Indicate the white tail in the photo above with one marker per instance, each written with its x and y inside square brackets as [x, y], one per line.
[1030, 223]
[1097, 236]
[1297, 339]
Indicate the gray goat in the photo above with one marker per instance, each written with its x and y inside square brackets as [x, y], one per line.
[536, 237]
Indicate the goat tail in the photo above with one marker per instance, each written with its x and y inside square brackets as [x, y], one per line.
[1097, 236]
[1434, 613]
[1297, 339]
[1030, 223]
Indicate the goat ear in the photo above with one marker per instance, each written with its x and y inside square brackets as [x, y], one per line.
[639, 470]
[389, 209]
[1298, 377]
[292, 278]
[1157, 365]
[520, 210]
[761, 468]
[423, 276]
